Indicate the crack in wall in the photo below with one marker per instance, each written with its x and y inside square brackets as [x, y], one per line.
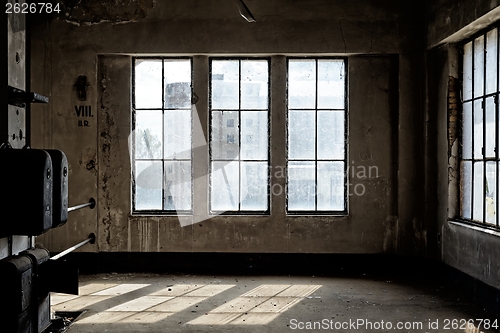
[342, 35]
[454, 109]
[105, 220]
[357, 26]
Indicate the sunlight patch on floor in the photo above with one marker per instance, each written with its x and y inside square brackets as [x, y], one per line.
[120, 289]
[104, 317]
[56, 298]
[94, 288]
[177, 290]
[258, 306]
[80, 303]
[140, 303]
[150, 308]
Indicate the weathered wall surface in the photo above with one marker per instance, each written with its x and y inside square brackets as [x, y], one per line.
[370, 227]
[385, 94]
[447, 17]
[470, 249]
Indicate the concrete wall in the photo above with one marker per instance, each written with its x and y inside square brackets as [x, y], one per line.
[470, 249]
[458, 18]
[385, 55]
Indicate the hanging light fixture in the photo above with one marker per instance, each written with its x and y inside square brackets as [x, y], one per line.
[245, 12]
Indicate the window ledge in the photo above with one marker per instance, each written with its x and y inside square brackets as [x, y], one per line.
[472, 226]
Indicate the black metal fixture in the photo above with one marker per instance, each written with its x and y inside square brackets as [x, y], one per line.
[20, 98]
[81, 86]
[27, 188]
[245, 12]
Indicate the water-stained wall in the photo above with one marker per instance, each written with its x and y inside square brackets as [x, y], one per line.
[384, 51]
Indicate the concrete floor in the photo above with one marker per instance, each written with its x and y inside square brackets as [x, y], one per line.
[190, 303]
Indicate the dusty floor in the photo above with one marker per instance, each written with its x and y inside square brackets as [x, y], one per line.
[189, 303]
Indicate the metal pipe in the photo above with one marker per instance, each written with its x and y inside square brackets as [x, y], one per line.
[90, 204]
[90, 240]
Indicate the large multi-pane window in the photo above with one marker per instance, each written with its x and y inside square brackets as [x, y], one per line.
[480, 139]
[239, 136]
[316, 131]
[238, 149]
[162, 135]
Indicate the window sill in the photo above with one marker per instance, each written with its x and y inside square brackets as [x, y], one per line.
[159, 214]
[210, 215]
[486, 229]
[317, 215]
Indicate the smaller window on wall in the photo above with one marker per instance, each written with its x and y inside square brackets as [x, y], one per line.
[162, 135]
[316, 136]
[479, 180]
[239, 136]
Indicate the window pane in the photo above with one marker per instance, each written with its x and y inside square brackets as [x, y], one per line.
[254, 84]
[148, 185]
[466, 188]
[478, 192]
[225, 135]
[302, 84]
[467, 75]
[331, 84]
[478, 130]
[148, 133]
[254, 180]
[148, 84]
[316, 132]
[177, 134]
[331, 186]
[301, 134]
[331, 139]
[479, 66]
[491, 192]
[240, 135]
[467, 131]
[254, 135]
[162, 135]
[225, 84]
[177, 84]
[224, 186]
[301, 186]
[177, 185]
[490, 127]
[491, 61]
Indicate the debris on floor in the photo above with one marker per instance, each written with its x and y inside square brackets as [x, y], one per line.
[62, 320]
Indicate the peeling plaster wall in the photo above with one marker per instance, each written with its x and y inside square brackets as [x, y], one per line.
[386, 121]
[448, 17]
[472, 250]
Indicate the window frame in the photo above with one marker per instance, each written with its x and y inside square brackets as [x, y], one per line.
[266, 212]
[345, 211]
[240, 58]
[158, 212]
[484, 159]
